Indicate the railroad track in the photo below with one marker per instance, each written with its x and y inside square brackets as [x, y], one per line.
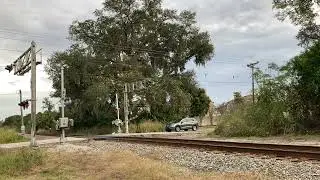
[278, 150]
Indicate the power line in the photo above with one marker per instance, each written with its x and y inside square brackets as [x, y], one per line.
[211, 82]
[225, 82]
[8, 94]
[14, 50]
[160, 57]
[1, 37]
[100, 45]
[11, 31]
[223, 85]
[154, 52]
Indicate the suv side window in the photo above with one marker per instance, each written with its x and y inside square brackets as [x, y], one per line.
[185, 120]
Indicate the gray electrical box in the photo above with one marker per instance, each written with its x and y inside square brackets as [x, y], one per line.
[57, 125]
[63, 122]
[71, 122]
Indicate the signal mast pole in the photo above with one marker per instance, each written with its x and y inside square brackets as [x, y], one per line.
[26, 62]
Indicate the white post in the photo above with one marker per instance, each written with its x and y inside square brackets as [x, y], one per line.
[126, 111]
[23, 128]
[118, 113]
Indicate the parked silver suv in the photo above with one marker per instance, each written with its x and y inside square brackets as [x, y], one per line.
[184, 124]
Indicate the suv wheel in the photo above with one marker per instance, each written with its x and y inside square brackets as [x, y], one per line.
[177, 128]
[194, 128]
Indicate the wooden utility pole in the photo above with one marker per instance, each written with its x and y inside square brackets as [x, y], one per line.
[33, 93]
[252, 66]
[62, 102]
[23, 128]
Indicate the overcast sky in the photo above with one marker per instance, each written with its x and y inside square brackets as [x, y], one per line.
[242, 31]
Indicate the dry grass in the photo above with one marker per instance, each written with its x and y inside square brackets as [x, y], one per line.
[18, 162]
[146, 127]
[10, 136]
[115, 165]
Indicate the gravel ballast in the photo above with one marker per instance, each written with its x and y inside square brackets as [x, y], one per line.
[208, 161]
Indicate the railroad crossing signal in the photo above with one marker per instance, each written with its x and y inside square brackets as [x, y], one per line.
[26, 62]
[9, 67]
[24, 104]
[117, 122]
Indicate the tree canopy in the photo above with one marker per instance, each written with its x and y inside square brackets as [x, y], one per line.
[131, 41]
[303, 13]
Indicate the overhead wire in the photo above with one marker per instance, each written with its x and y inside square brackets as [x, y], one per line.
[11, 31]
[154, 54]
[201, 81]
[13, 50]
[8, 94]
[122, 47]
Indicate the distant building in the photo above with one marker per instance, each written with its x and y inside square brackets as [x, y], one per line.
[210, 119]
[231, 105]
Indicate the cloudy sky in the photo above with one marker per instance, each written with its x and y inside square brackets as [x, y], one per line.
[242, 31]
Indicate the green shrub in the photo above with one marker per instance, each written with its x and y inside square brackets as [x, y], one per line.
[17, 162]
[147, 126]
[273, 113]
[233, 124]
[10, 136]
[255, 120]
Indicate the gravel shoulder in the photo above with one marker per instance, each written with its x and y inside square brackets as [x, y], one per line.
[206, 161]
[206, 134]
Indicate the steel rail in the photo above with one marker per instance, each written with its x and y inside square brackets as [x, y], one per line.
[279, 150]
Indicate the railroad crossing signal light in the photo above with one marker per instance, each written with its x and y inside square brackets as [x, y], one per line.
[9, 67]
[24, 104]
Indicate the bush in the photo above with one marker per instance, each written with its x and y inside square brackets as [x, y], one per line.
[10, 136]
[271, 114]
[233, 124]
[147, 126]
[255, 120]
[15, 163]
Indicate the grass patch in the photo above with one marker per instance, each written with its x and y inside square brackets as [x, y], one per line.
[18, 162]
[146, 127]
[10, 136]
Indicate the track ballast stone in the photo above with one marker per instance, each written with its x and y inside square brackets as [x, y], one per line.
[214, 161]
